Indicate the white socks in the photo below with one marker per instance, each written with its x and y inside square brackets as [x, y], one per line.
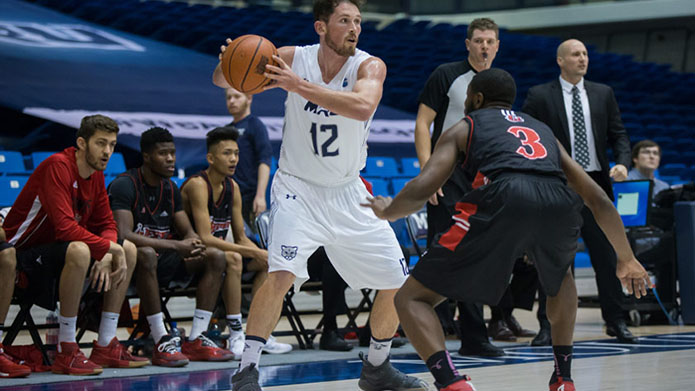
[66, 331]
[234, 322]
[201, 320]
[157, 329]
[107, 328]
[378, 351]
[253, 346]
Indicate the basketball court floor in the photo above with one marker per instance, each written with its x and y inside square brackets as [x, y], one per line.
[664, 359]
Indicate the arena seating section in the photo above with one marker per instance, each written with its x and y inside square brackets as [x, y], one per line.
[655, 102]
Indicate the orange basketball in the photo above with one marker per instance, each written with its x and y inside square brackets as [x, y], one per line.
[244, 61]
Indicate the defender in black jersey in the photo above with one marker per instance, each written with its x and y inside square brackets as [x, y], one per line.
[523, 202]
[212, 200]
[148, 210]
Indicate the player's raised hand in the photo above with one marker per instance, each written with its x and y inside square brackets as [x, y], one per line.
[224, 47]
[633, 277]
[378, 205]
[282, 76]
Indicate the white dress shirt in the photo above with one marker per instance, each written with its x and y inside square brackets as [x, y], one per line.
[567, 97]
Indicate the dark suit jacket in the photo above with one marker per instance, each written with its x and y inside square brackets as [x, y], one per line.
[545, 103]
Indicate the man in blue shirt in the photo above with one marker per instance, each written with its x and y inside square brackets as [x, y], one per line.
[646, 156]
[255, 153]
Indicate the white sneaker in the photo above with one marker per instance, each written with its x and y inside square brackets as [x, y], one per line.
[272, 346]
[236, 345]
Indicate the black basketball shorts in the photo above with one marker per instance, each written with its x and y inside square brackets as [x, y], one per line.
[496, 224]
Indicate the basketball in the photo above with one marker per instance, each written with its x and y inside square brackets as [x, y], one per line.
[244, 61]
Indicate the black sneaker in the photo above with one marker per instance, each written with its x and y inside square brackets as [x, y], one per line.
[246, 379]
[330, 340]
[485, 349]
[386, 377]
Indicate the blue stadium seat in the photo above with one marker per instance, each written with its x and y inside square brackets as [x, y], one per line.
[12, 162]
[673, 169]
[411, 166]
[116, 164]
[379, 186]
[398, 184]
[384, 167]
[10, 187]
[38, 157]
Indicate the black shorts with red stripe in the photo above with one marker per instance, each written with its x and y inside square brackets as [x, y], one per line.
[516, 214]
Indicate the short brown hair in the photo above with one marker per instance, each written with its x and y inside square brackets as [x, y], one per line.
[323, 9]
[91, 123]
[643, 144]
[483, 24]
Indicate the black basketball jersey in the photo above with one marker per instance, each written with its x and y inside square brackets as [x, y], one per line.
[502, 140]
[220, 211]
[154, 208]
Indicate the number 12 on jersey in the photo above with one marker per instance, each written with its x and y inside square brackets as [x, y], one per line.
[324, 128]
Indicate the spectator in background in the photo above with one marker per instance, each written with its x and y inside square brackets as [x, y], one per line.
[64, 232]
[442, 103]
[585, 118]
[646, 156]
[148, 209]
[255, 154]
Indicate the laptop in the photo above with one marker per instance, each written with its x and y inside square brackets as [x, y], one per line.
[633, 200]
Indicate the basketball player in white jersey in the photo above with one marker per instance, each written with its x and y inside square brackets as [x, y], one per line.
[333, 91]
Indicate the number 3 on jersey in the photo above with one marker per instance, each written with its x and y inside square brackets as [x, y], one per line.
[333, 130]
[531, 147]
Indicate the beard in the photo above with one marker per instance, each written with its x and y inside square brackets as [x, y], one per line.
[93, 161]
[343, 50]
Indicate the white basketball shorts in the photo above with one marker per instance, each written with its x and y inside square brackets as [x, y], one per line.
[361, 247]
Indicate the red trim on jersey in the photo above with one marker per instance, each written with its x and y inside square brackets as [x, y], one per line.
[368, 185]
[480, 180]
[459, 229]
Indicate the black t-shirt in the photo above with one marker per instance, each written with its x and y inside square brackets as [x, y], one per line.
[220, 211]
[153, 208]
[501, 140]
[445, 92]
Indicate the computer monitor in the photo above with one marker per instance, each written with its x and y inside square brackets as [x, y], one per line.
[633, 200]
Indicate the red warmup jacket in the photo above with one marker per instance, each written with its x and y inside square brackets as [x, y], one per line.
[57, 205]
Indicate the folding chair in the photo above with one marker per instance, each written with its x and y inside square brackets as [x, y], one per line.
[417, 230]
[288, 309]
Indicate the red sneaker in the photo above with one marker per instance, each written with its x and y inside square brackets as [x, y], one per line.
[9, 368]
[71, 361]
[115, 355]
[461, 383]
[167, 354]
[562, 385]
[203, 349]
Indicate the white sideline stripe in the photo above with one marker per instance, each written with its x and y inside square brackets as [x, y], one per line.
[35, 208]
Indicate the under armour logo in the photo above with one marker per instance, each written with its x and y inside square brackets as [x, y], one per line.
[289, 252]
[437, 365]
[566, 356]
[292, 196]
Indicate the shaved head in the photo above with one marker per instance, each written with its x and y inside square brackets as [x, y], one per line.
[565, 47]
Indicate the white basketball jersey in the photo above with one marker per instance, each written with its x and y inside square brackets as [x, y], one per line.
[319, 146]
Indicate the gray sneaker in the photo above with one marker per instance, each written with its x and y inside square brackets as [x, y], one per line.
[386, 377]
[246, 379]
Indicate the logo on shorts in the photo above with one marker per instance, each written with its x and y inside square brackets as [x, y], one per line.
[289, 252]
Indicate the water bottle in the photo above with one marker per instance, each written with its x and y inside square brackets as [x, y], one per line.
[178, 332]
[52, 333]
[215, 333]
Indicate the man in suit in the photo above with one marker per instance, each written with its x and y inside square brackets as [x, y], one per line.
[585, 118]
